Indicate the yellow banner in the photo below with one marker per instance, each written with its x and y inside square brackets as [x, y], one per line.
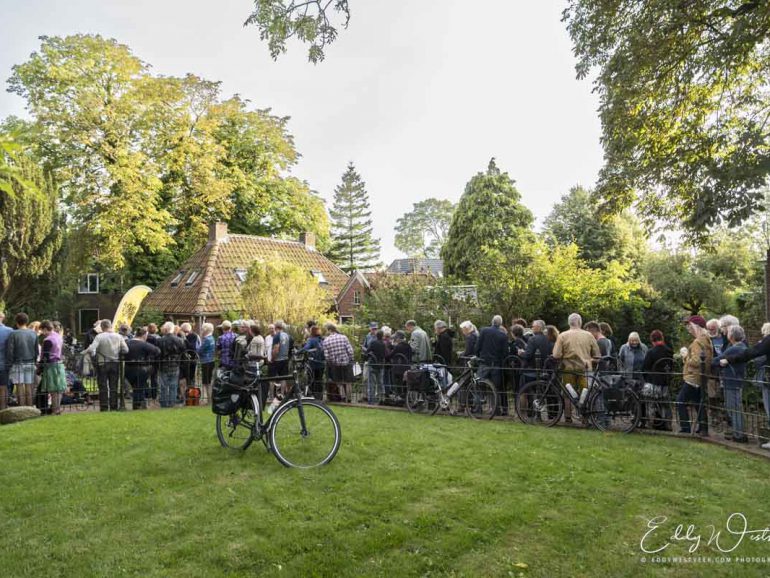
[130, 304]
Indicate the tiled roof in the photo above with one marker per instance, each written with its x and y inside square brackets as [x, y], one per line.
[414, 265]
[216, 289]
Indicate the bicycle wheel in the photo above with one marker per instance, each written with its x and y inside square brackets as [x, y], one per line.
[539, 402]
[419, 401]
[236, 431]
[614, 409]
[480, 399]
[314, 445]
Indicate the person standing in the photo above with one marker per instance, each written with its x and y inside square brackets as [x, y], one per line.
[443, 351]
[189, 364]
[631, 356]
[605, 345]
[575, 349]
[153, 339]
[54, 381]
[206, 351]
[139, 365]
[376, 360]
[171, 350]
[471, 335]
[699, 352]
[5, 332]
[314, 345]
[339, 362]
[21, 354]
[657, 368]
[225, 346]
[733, 378]
[491, 349]
[282, 347]
[419, 342]
[107, 347]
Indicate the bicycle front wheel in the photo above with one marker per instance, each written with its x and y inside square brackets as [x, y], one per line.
[305, 435]
[480, 399]
[539, 402]
[236, 431]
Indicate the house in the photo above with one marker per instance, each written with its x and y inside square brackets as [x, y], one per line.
[206, 288]
[97, 297]
[414, 265]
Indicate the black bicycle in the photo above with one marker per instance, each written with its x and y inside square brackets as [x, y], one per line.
[609, 402]
[301, 433]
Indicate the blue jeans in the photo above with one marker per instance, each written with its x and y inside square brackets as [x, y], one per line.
[689, 394]
[168, 380]
[734, 407]
[374, 383]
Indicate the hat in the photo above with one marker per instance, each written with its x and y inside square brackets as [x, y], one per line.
[373, 325]
[238, 322]
[226, 324]
[697, 320]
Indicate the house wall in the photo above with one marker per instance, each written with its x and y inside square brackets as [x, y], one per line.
[346, 306]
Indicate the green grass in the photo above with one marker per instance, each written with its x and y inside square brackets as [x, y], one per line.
[153, 494]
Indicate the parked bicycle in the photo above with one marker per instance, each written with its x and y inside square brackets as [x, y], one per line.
[609, 402]
[428, 391]
[301, 433]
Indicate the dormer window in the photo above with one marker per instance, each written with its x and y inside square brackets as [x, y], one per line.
[320, 277]
[175, 281]
[240, 274]
[192, 278]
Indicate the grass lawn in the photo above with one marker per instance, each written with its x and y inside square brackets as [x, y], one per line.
[153, 494]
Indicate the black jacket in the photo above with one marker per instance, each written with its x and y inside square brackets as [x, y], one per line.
[538, 343]
[655, 370]
[378, 351]
[492, 346]
[140, 353]
[443, 346]
[760, 349]
[470, 344]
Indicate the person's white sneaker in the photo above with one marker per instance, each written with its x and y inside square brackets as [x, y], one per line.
[765, 446]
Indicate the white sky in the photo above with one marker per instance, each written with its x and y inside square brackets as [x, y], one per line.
[419, 94]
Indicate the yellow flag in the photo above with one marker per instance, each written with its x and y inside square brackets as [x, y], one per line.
[130, 304]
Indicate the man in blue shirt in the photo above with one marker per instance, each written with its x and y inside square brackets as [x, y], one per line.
[5, 331]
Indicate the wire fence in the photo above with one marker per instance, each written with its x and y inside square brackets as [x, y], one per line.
[81, 383]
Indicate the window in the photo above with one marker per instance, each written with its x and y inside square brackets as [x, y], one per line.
[89, 284]
[87, 318]
[320, 276]
[240, 275]
[192, 278]
[175, 281]
[356, 298]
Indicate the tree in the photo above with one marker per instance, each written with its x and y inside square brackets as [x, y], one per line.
[684, 105]
[281, 290]
[600, 240]
[422, 231]
[87, 94]
[488, 216]
[30, 227]
[309, 21]
[353, 245]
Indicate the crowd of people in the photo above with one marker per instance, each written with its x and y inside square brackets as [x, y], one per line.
[161, 363]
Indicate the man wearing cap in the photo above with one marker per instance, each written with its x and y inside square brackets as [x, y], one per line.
[225, 345]
[693, 388]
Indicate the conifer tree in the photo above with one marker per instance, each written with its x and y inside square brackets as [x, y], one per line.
[353, 246]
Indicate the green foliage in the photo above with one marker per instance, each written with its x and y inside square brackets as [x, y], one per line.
[683, 104]
[30, 226]
[308, 21]
[280, 290]
[489, 217]
[352, 245]
[599, 239]
[146, 315]
[394, 299]
[146, 162]
[422, 231]
[549, 283]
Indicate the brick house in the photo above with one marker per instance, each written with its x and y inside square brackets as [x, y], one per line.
[206, 287]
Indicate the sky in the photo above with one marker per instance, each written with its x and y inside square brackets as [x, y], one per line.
[418, 94]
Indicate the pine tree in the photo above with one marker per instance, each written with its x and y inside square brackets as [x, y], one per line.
[353, 246]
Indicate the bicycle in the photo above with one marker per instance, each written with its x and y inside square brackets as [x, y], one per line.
[609, 404]
[469, 394]
[301, 433]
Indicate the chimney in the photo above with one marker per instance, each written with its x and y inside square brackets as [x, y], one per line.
[308, 239]
[217, 231]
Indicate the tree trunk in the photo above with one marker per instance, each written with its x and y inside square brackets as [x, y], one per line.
[767, 284]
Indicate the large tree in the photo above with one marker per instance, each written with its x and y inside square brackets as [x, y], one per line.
[684, 104]
[422, 231]
[30, 227]
[574, 219]
[489, 216]
[353, 245]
